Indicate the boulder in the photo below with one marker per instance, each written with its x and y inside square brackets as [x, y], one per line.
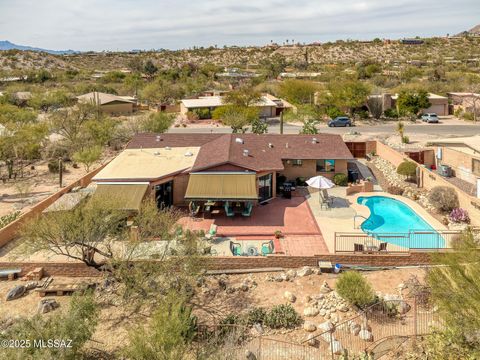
[354, 329]
[305, 271]
[291, 274]
[289, 296]
[326, 326]
[47, 305]
[403, 307]
[309, 326]
[222, 284]
[16, 292]
[365, 335]
[310, 312]
[258, 328]
[325, 288]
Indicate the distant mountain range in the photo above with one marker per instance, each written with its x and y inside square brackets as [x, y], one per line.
[7, 45]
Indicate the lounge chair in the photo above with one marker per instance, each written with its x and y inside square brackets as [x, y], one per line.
[194, 209]
[267, 248]
[324, 203]
[248, 209]
[358, 248]
[236, 249]
[228, 209]
[383, 246]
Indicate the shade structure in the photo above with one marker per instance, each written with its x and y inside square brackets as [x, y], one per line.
[320, 182]
[122, 196]
[222, 186]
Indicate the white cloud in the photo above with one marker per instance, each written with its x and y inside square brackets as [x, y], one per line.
[146, 24]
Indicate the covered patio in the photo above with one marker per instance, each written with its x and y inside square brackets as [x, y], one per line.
[214, 193]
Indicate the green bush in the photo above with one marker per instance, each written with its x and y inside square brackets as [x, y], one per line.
[407, 168]
[340, 179]
[256, 315]
[391, 113]
[300, 181]
[443, 198]
[202, 113]
[54, 166]
[282, 316]
[405, 139]
[353, 287]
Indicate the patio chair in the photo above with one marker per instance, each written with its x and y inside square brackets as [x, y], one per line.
[194, 208]
[358, 248]
[383, 246]
[267, 248]
[248, 209]
[324, 203]
[236, 249]
[329, 199]
[228, 209]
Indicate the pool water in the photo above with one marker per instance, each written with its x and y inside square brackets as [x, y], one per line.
[393, 221]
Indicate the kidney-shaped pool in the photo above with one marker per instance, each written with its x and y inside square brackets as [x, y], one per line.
[393, 221]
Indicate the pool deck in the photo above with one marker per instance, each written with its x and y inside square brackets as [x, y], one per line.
[340, 217]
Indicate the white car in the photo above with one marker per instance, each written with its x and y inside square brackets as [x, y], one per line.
[430, 118]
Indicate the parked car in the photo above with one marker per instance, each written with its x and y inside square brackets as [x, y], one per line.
[430, 118]
[340, 121]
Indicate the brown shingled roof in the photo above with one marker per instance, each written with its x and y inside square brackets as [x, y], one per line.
[251, 151]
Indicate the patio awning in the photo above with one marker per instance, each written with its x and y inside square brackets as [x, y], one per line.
[222, 186]
[123, 196]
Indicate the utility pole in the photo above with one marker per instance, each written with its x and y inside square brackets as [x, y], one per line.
[281, 122]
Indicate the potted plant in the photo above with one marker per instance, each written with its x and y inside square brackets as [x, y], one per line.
[278, 234]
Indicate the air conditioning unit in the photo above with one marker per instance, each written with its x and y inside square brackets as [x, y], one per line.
[445, 171]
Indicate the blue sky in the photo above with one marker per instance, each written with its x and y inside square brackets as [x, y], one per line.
[146, 24]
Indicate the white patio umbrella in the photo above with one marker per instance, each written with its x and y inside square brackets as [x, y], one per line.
[320, 182]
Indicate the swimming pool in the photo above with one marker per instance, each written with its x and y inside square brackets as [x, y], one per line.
[393, 221]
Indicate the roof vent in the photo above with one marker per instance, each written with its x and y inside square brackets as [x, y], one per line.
[188, 153]
[156, 153]
[239, 141]
[168, 148]
[314, 141]
[245, 152]
[270, 145]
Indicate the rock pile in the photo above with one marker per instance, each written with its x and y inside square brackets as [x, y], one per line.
[47, 305]
[291, 274]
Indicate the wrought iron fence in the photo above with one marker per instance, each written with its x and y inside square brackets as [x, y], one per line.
[417, 240]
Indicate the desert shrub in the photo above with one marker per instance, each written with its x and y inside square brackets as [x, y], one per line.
[407, 168]
[256, 315]
[54, 166]
[354, 288]
[340, 179]
[443, 198]
[202, 113]
[333, 112]
[282, 316]
[395, 190]
[8, 218]
[77, 323]
[405, 139]
[459, 215]
[391, 113]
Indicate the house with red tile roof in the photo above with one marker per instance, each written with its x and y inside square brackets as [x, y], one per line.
[181, 169]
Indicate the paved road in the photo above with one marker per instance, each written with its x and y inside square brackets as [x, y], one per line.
[443, 129]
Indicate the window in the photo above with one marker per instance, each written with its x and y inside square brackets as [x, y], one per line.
[296, 162]
[476, 167]
[325, 165]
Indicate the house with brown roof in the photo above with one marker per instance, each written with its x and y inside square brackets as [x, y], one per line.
[181, 169]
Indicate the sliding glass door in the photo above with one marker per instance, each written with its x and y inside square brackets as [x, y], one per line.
[265, 187]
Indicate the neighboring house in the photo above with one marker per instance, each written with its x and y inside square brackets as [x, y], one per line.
[464, 101]
[461, 154]
[108, 103]
[438, 104]
[267, 107]
[176, 169]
